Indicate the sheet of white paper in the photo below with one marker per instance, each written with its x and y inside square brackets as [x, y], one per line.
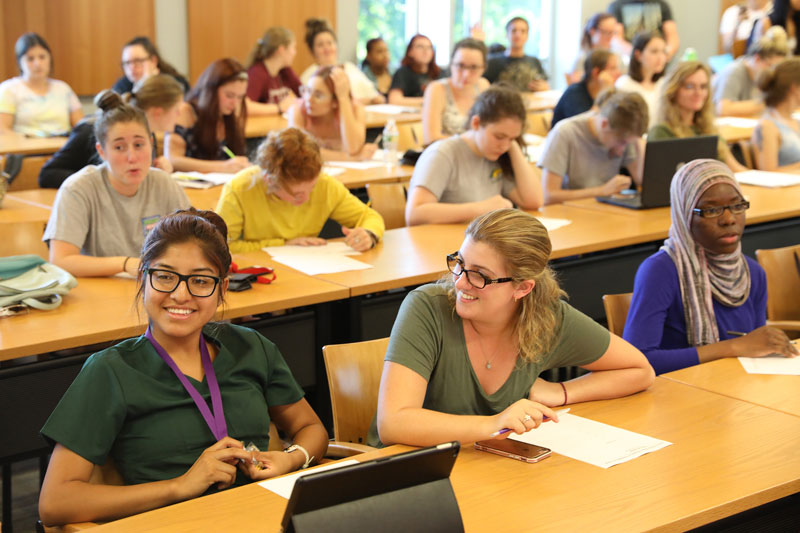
[332, 171]
[736, 122]
[535, 152]
[322, 264]
[552, 224]
[216, 178]
[763, 178]
[283, 486]
[591, 442]
[787, 366]
[336, 248]
[552, 93]
[532, 139]
[379, 155]
[390, 109]
[357, 165]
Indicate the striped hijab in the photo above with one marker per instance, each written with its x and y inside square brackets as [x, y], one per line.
[703, 276]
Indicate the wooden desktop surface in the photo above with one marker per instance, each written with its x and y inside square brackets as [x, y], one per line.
[260, 126]
[717, 466]
[728, 377]
[414, 255]
[15, 210]
[102, 310]
[14, 143]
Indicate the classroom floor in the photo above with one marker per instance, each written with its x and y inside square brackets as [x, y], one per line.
[25, 495]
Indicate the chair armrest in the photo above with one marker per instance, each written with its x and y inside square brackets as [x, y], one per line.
[340, 449]
[786, 325]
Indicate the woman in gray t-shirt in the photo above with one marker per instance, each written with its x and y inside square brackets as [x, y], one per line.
[484, 168]
[464, 357]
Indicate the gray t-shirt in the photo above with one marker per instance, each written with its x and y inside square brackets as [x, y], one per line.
[456, 175]
[90, 214]
[735, 84]
[428, 338]
[570, 150]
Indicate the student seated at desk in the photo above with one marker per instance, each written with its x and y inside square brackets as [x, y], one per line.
[459, 178]
[645, 73]
[583, 155]
[376, 65]
[286, 200]
[211, 123]
[447, 101]
[465, 354]
[735, 89]
[34, 104]
[416, 71]
[512, 65]
[692, 297]
[144, 402]
[321, 41]
[777, 135]
[103, 213]
[599, 33]
[272, 85]
[140, 60]
[685, 109]
[329, 112]
[158, 96]
[601, 71]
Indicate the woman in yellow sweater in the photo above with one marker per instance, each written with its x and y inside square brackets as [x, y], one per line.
[286, 200]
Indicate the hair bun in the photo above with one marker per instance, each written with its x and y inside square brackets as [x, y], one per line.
[108, 100]
[314, 24]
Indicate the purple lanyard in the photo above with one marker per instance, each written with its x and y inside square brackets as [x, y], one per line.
[216, 422]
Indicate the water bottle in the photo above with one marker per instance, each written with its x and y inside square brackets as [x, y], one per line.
[690, 54]
[390, 135]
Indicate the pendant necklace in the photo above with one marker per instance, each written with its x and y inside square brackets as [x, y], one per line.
[483, 350]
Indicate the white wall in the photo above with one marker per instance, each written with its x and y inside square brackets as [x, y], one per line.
[172, 35]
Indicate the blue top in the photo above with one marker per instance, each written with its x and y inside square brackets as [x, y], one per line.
[789, 150]
[575, 100]
[656, 323]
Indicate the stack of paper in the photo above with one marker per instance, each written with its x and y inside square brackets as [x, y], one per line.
[283, 486]
[198, 180]
[762, 178]
[736, 122]
[552, 224]
[591, 442]
[312, 260]
[390, 109]
[357, 165]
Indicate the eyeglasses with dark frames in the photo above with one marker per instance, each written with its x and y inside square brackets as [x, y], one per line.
[199, 285]
[716, 211]
[478, 280]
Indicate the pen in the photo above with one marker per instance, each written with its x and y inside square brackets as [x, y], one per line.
[377, 140]
[736, 333]
[546, 419]
[228, 152]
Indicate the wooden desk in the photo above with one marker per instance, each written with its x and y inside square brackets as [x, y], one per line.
[733, 134]
[260, 126]
[16, 210]
[728, 378]
[717, 466]
[14, 143]
[102, 310]
[542, 100]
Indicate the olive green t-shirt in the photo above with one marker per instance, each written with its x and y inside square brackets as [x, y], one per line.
[428, 338]
[662, 131]
[127, 403]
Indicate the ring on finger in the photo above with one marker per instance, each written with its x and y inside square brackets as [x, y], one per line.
[526, 418]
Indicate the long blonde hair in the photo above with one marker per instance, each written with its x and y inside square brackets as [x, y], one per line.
[669, 112]
[524, 244]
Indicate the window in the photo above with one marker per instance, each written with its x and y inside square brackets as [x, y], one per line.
[398, 20]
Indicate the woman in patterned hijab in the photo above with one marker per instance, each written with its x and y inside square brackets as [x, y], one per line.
[700, 298]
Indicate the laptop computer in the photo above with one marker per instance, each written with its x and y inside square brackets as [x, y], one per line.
[405, 492]
[662, 158]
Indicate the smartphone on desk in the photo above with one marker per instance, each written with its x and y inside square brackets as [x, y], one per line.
[521, 451]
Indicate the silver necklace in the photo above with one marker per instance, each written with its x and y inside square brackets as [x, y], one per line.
[483, 350]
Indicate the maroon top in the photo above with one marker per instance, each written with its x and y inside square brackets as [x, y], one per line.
[267, 89]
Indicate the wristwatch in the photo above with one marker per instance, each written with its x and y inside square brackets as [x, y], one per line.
[294, 447]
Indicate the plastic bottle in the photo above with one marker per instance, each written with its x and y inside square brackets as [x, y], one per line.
[690, 54]
[390, 135]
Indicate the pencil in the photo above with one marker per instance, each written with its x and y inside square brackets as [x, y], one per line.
[228, 152]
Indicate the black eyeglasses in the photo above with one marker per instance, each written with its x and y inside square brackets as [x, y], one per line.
[456, 266]
[716, 211]
[136, 61]
[200, 286]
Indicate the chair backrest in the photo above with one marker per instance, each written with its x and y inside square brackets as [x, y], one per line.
[748, 152]
[354, 375]
[28, 177]
[782, 266]
[616, 306]
[739, 48]
[389, 199]
[409, 136]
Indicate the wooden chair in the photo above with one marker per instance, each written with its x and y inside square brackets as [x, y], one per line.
[616, 306]
[748, 153]
[28, 177]
[539, 123]
[409, 136]
[782, 266]
[389, 199]
[354, 374]
[739, 48]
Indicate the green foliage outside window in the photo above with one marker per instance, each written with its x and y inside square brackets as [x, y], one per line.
[386, 19]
